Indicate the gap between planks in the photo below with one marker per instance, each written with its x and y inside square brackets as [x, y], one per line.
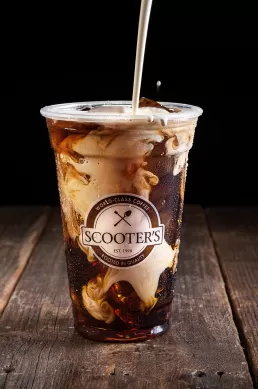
[30, 241]
[237, 320]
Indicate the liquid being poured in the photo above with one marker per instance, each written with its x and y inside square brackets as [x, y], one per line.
[141, 43]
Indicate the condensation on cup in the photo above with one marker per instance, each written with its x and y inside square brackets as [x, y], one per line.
[121, 180]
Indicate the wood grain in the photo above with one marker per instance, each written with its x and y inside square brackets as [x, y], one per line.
[39, 349]
[235, 234]
[20, 230]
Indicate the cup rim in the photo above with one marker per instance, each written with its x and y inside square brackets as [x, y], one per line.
[70, 112]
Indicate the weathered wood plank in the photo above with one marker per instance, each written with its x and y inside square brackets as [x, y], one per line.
[20, 230]
[235, 234]
[201, 349]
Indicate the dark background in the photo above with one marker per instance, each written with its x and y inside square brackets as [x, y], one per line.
[223, 160]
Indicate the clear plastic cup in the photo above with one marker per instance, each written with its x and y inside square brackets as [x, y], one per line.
[121, 182]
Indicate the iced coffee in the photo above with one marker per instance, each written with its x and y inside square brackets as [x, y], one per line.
[121, 180]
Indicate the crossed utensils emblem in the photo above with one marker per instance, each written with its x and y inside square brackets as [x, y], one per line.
[126, 214]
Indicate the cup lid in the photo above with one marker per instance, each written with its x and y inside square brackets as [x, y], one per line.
[107, 111]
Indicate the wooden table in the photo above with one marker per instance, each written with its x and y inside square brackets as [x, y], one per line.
[212, 342]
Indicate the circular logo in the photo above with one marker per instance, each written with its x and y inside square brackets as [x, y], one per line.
[122, 230]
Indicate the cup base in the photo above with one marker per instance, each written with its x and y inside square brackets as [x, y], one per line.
[134, 335]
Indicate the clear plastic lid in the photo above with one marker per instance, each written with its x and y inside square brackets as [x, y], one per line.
[109, 111]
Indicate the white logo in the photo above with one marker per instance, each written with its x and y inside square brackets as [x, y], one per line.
[122, 230]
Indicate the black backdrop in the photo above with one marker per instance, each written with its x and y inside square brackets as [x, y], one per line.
[222, 163]
[221, 170]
